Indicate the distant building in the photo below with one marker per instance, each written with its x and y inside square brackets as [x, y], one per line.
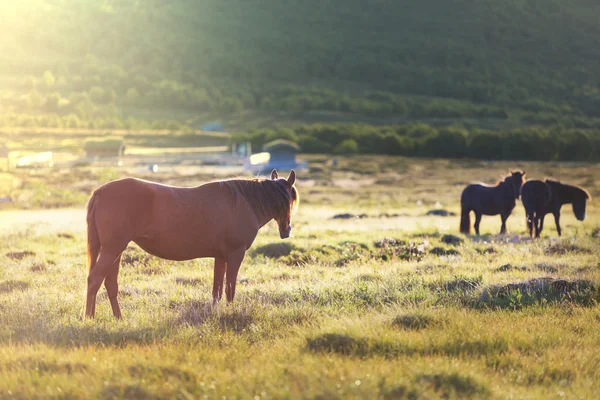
[108, 147]
[278, 154]
[213, 127]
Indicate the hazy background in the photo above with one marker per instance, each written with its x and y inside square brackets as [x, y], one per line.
[518, 72]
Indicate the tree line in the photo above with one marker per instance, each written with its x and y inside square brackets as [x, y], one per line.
[423, 140]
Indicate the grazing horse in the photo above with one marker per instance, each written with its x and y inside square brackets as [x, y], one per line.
[547, 197]
[218, 220]
[490, 200]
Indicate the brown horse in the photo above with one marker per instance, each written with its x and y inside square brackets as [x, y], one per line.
[218, 220]
[490, 200]
[547, 197]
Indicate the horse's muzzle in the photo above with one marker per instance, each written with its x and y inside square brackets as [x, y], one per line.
[284, 234]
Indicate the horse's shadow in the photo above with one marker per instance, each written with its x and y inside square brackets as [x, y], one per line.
[220, 316]
[82, 334]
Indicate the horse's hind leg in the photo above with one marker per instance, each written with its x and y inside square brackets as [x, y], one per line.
[219, 274]
[234, 260]
[531, 222]
[477, 222]
[112, 287]
[103, 266]
[540, 226]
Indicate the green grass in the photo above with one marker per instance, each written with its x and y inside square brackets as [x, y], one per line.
[360, 308]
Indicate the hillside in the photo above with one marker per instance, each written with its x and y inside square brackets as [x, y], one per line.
[103, 62]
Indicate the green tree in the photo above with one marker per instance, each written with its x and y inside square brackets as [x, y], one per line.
[348, 146]
[97, 95]
[52, 102]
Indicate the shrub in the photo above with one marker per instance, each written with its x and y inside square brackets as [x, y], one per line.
[348, 146]
[447, 143]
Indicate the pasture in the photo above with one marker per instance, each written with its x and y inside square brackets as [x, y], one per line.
[383, 305]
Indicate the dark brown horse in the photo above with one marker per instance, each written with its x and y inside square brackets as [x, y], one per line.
[490, 200]
[547, 197]
[218, 220]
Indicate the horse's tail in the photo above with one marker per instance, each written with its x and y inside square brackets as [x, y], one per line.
[465, 211]
[93, 240]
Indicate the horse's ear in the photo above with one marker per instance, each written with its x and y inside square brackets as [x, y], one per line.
[524, 173]
[274, 174]
[292, 178]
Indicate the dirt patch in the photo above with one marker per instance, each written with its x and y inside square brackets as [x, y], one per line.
[12, 286]
[37, 267]
[562, 248]
[188, 281]
[440, 251]
[414, 321]
[510, 267]
[64, 235]
[350, 216]
[548, 268]
[389, 242]
[299, 258]
[486, 250]
[533, 291]
[388, 249]
[459, 284]
[451, 239]
[199, 313]
[351, 251]
[336, 343]
[440, 213]
[274, 250]
[453, 385]
[19, 255]
[386, 215]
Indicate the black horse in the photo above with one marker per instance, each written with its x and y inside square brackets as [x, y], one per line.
[490, 200]
[547, 197]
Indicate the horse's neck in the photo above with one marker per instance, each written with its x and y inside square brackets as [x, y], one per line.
[566, 194]
[506, 186]
[264, 218]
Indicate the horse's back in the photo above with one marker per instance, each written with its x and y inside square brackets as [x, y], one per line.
[474, 191]
[486, 199]
[467, 193]
[535, 195]
[171, 222]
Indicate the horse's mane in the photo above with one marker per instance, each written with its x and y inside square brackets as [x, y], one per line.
[506, 177]
[264, 195]
[587, 194]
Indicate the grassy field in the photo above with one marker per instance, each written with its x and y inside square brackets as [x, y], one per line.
[385, 306]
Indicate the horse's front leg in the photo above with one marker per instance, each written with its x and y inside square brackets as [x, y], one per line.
[504, 217]
[234, 261]
[219, 275]
[477, 222]
[557, 221]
